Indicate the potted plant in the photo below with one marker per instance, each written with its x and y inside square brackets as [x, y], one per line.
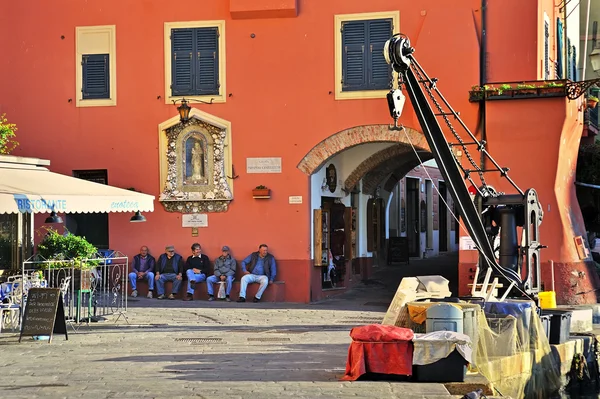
[261, 192]
[476, 93]
[554, 87]
[65, 252]
[526, 89]
[592, 101]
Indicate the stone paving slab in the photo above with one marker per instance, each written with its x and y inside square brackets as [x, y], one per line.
[168, 350]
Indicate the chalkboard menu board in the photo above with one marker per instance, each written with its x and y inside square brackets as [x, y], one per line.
[44, 314]
[398, 250]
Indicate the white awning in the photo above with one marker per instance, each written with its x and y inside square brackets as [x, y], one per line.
[34, 189]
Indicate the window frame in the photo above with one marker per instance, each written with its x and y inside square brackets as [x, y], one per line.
[168, 27]
[340, 94]
[92, 40]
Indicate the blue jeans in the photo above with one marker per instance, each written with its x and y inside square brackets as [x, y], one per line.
[198, 278]
[253, 278]
[160, 283]
[214, 279]
[133, 278]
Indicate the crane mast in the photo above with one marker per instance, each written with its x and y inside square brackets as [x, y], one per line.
[495, 229]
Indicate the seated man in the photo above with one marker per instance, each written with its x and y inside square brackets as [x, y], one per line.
[224, 270]
[261, 269]
[143, 268]
[169, 267]
[196, 268]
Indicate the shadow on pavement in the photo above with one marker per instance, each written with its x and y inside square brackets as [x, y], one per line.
[280, 363]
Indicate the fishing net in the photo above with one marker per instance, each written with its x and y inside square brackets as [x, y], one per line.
[510, 344]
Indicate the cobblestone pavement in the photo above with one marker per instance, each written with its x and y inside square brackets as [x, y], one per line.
[172, 349]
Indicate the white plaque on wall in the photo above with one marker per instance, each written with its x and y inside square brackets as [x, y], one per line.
[467, 243]
[194, 220]
[295, 199]
[263, 165]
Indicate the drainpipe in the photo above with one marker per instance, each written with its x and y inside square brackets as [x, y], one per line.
[482, 104]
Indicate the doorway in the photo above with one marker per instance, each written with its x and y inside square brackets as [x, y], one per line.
[92, 226]
[443, 218]
[336, 242]
[412, 217]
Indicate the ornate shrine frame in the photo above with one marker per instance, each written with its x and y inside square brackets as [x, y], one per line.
[215, 192]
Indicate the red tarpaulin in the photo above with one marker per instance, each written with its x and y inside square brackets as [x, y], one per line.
[379, 349]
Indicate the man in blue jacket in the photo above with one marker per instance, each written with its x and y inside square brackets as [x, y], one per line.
[169, 267]
[261, 269]
[143, 269]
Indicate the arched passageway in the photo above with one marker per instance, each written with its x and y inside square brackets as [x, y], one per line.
[370, 190]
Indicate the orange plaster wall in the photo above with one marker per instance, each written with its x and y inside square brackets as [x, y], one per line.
[513, 37]
[279, 100]
[538, 133]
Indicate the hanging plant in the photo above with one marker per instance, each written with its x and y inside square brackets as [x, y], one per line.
[592, 101]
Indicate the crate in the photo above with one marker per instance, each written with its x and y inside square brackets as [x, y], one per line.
[545, 319]
[452, 368]
[560, 325]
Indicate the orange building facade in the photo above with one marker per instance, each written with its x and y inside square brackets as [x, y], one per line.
[289, 88]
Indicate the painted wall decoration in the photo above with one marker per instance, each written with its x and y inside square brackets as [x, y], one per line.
[196, 180]
[331, 178]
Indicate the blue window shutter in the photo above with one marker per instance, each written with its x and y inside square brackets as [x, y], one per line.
[182, 67]
[96, 79]
[354, 59]
[560, 49]
[207, 61]
[379, 72]
[574, 63]
[546, 50]
[569, 59]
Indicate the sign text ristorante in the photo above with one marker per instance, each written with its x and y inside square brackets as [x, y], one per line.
[41, 205]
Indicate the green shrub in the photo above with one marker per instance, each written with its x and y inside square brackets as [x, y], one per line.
[7, 132]
[56, 246]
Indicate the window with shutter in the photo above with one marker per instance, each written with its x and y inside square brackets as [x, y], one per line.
[363, 64]
[574, 63]
[195, 61]
[569, 59]
[560, 49]
[546, 50]
[96, 79]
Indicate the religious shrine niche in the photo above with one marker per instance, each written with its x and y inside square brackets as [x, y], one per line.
[196, 180]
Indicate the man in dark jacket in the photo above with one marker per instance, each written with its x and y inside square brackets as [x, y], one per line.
[197, 266]
[169, 267]
[261, 269]
[143, 269]
[224, 271]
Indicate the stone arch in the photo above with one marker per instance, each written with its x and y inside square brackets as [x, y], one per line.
[382, 157]
[354, 136]
[390, 173]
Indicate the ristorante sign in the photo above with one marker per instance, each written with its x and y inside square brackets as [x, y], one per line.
[41, 205]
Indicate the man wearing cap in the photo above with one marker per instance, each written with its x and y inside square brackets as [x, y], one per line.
[225, 267]
[169, 267]
[196, 266]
